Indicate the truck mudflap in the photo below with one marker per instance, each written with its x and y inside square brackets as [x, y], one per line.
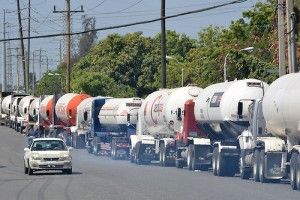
[203, 154]
[274, 162]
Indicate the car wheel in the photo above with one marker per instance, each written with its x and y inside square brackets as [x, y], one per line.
[30, 171]
[25, 169]
[67, 171]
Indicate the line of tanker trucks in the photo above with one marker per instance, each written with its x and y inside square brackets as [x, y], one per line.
[241, 127]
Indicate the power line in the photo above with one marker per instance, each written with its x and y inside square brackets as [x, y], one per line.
[131, 24]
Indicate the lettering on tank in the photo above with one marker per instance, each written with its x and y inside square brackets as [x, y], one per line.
[216, 99]
[156, 108]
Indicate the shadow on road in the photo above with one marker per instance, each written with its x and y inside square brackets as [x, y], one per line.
[55, 173]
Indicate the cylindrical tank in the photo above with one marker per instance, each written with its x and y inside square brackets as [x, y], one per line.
[217, 105]
[281, 108]
[84, 112]
[115, 112]
[66, 107]
[15, 105]
[34, 108]
[24, 106]
[5, 104]
[163, 110]
[45, 109]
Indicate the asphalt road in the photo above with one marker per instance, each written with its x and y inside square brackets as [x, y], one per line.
[101, 178]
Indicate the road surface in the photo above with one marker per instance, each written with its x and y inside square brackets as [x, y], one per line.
[101, 178]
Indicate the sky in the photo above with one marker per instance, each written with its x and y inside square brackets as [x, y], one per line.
[108, 13]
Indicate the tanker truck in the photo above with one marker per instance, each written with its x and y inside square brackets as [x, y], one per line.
[116, 123]
[271, 145]
[87, 120]
[216, 112]
[160, 119]
[15, 116]
[5, 108]
[23, 110]
[64, 117]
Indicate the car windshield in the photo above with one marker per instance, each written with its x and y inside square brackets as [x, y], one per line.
[46, 145]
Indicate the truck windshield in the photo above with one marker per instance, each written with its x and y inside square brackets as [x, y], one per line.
[48, 145]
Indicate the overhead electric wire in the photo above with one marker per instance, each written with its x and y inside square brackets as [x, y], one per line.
[131, 24]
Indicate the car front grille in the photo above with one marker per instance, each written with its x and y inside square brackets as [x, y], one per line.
[51, 166]
[50, 159]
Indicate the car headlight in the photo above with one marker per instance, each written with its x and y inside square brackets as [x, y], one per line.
[65, 158]
[36, 158]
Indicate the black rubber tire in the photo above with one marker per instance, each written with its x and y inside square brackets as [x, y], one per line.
[162, 155]
[214, 161]
[298, 173]
[244, 173]
[25, 169]
[256, 161]
[30, 171]
[262, 178]
[67, 171]
[220, 163]
[132, 156]
[293, 170]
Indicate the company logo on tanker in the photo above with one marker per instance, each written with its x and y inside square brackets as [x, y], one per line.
[156, 109]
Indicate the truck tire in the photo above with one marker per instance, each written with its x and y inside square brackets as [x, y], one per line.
[179, 163]
[214, 161]
[298, 173]
[293, 170]
[162, 156]
[220, 167]
[192, 160]
[244, 173]
[95, 145]
[262, 168]
[256, 161]
[132, 156]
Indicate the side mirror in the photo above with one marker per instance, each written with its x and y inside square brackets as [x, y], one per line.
[240, 109]
[85, 116]
[26, 149]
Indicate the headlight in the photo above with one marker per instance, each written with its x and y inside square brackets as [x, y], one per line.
[36, 158]
[64, 158]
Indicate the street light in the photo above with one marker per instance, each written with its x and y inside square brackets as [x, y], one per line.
[56, 74]
[249, 49]
[172, 58]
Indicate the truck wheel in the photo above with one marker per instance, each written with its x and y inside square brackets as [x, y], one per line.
[214, 161]
[114, 153]
[262, 178]
[244, 173]
[192, 160]
[132, 156]
[293, 170]
[162, 155]
[256, 158]
[178, 163]
[219, 163]
[298, 173]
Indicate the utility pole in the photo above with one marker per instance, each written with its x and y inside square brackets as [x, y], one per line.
[22, 47]
[18, 55]
[291, 23]
[4, 54]
[28, 47]
[163, 44]
[40, 62]
[68, 40]
[281, 38]
[60, 52]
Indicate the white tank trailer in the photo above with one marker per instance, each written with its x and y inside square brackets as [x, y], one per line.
[15, 116]
[160, 120]
[5, 109]
[216, 111]
[34, 110]
[86, 120]
[23, 107]
[274, 157]
[117, 121]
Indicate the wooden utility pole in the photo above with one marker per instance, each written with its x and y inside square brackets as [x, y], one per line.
[163, 45]
[281, 38]
[28, 47]
[291, 23]
[68, 40]
[26, 84]
[4, 54]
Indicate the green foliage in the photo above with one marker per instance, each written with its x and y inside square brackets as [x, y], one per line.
[130, 65]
